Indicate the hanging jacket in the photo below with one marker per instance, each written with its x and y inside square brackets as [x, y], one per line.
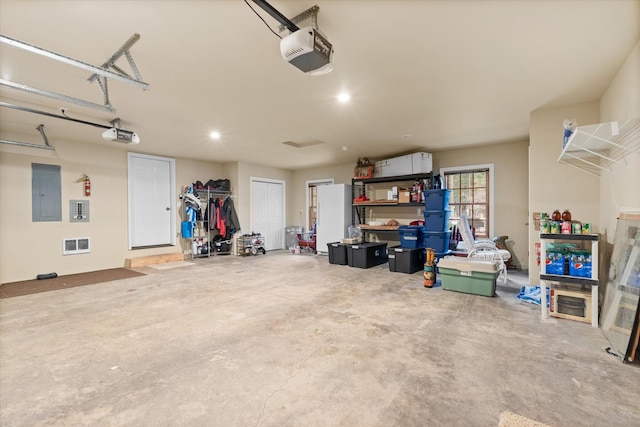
[231, 217]
[211, 212]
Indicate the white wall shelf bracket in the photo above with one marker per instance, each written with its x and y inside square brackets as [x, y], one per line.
[597, 147]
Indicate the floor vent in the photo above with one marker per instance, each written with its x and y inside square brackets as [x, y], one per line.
[78, 245]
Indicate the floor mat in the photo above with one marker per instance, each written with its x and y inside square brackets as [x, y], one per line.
[28, 287]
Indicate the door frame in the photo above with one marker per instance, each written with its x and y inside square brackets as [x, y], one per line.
[326, 181]
[172, 195]
[253, 179]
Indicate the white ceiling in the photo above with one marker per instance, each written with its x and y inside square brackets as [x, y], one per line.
[448, 73]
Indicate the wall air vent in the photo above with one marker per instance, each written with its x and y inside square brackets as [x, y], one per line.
[78, 245]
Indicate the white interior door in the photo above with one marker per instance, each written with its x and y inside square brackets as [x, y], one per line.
[267, 211]
[152, 213]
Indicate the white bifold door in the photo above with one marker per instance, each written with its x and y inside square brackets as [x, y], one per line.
[267, 211]
[334, 214]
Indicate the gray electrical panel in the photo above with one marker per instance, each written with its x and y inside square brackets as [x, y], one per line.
[78, 211]
[46, 190]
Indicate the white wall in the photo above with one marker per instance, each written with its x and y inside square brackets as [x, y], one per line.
[619, 188]
[510, 188]
[557, 186]
[554, 185]
[30, 248]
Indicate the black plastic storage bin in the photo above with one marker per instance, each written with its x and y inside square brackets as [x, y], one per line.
[222, 246]
[337, 253]
[366, 255]
[404, 260]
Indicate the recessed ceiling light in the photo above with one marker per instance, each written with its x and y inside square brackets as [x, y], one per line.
[406, 136]
[345, 148]
[344, 97]
[214, 135]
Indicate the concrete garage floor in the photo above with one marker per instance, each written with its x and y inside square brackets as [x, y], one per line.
[289, 340]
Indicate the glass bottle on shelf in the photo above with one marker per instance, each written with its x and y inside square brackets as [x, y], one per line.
[555, 216]
[566, 215]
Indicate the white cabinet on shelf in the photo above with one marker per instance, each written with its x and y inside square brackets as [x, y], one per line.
[593, 148]
[592, 281]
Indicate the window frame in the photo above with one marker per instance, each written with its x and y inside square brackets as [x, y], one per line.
[491, 188]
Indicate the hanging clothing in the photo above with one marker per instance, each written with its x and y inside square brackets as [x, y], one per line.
[210, 215]
[231, 220]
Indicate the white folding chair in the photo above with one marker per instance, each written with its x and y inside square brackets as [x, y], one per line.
[482, 248]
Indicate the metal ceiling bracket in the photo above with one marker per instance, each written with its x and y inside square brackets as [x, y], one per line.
[312, 13]
[104, 88]
[44, 136]
[76, 63]
[46, 145]
[107, 107]
[110, 64]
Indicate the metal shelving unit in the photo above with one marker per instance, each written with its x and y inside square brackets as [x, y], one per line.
[580, 281]
[359, 210]
[202, 232]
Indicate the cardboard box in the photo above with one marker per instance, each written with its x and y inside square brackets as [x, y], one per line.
[404, 196]
[467, 275]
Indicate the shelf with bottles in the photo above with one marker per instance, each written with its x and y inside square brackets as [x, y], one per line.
[402, 191]
[584, 276]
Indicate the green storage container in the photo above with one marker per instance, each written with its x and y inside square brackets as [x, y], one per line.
[468, 275]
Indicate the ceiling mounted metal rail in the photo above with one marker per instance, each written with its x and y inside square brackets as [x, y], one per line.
[76, 63]
[275, 14]
[46, 145]
[108, 108]
[57, 116]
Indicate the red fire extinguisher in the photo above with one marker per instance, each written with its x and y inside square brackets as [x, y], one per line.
[87, 186]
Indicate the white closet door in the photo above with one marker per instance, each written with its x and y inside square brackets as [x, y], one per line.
[151, 210]
[267, 211]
